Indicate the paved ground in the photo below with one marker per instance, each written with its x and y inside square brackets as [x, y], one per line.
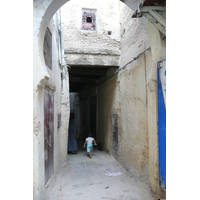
[83, 178]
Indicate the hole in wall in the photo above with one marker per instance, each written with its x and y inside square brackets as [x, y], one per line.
[89, 20]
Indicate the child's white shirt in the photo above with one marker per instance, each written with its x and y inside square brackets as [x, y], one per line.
[89, 140]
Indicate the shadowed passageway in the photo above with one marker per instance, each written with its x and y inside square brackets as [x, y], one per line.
[84, 178]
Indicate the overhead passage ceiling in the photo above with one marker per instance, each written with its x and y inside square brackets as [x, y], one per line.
[81, 76]
[154, 3]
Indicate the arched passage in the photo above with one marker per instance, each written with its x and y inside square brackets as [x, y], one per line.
[42, 15]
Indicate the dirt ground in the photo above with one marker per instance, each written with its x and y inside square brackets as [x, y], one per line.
[96, 178]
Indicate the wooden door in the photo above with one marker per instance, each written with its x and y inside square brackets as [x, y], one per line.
[48, 132]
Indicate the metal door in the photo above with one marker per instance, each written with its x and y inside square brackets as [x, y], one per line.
[162, 121]
[48, 132]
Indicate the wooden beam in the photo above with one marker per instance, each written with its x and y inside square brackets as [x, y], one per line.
[90, 72]
[160, 28]
[158, 17]
[81, 80]
[152, 20]
[148, 8]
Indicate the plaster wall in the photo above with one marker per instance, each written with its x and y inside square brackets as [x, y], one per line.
[60, 134]
[87, 47]
[157, 54]
[141, 49]
[133, 105]
[133, 93]
[107, 106]
[133, 101]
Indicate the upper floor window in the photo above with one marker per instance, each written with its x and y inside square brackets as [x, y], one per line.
[89, 19]
[47, 48]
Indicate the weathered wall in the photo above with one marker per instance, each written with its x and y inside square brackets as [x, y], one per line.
[86, 47]
[107, 105]
[61, 106]
[133, 104]
[43, 11]
[140, 74]
[133, 93]
[158, 49]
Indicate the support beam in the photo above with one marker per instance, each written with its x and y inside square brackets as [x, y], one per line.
[82, 80]
[148, 8]
[158, 17]
[160, 28]
[89, 72]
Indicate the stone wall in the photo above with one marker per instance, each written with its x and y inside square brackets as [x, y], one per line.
[91, 47]
[133, 93]
[141, 49]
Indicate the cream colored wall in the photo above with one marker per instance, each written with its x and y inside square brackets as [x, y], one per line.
[133, 104]
[133, 93]
[158, 53]
[144, 117]
[61, 105]
[86, 47]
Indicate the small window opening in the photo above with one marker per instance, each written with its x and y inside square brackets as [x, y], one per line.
[89, 20]
[47, 48]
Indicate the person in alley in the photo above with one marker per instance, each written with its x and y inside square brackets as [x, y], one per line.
[72, 137]
[89, 141]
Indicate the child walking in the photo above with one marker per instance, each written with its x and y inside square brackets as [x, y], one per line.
[89, 141]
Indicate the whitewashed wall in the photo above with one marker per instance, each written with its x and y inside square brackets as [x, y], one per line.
[92, 47]
[61, 106]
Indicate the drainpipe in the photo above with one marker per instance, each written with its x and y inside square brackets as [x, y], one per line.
[63, 63]
[58, 38]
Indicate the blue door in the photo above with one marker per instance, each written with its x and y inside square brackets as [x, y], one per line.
[161, 69]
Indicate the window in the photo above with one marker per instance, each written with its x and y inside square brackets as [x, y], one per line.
[89, 19]
[47, 48]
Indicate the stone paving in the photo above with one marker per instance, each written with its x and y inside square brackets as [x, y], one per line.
[84, 178]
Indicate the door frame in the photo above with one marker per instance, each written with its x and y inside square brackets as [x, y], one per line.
[161, 73]
[48, 132]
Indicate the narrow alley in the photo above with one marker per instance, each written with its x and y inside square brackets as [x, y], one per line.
[103, 62]
[85, 178]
